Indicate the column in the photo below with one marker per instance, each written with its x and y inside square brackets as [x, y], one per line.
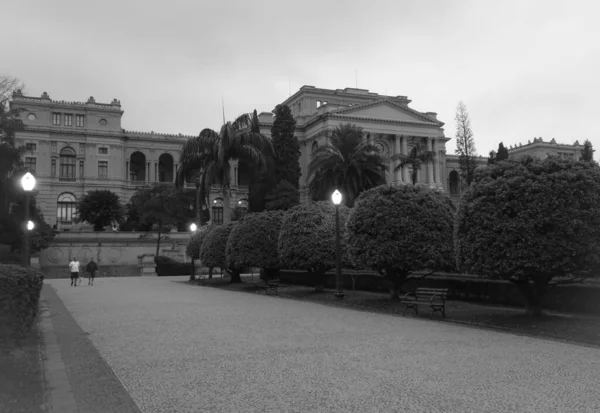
[429, 164]
[126, 171]
[437, 161]
[147, 171]
[397, 151]
[175, 169]
[391, 175]
[405, 176]
[155, 171]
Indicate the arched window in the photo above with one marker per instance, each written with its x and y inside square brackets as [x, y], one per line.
[67, 164]
[165, 168]
[217, 211]
[66, 210]
[454, 181]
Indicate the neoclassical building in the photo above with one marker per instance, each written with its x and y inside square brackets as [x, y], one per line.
[75, 147]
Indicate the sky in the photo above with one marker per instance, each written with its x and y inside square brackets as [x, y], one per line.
[524, 69]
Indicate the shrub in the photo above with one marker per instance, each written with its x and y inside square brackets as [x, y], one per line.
[528, 220]
[20, 290]
[307, 238]
[212, 253]
[166, 266]
[253, 242]
[193, 248]
[398, 230]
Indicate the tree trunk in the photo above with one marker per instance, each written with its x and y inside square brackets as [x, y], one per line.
[158, 242]
[210, 271]
[531, 295]
[396, 279]
[226, 194]
[235, 276]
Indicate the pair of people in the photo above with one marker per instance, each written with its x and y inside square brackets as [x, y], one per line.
[91, 268]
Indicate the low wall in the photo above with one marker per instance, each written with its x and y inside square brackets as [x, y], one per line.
[117, 254]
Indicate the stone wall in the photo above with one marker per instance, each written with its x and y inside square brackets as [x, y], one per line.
[117, 254]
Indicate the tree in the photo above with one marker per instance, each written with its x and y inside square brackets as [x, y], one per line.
[418, 155]
[502, 153]
[100, 208]
[346, 162]
[253, 242]
[530, 221]
[214, 151]
[307, 238]
[398, 230]
[161, 207]
[465, 144]
[286, 148]
[212, 252]
[587, 153]
[9, 85]
[282, 197]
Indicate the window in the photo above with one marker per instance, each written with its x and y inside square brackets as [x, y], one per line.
[68, 120]
[53, 168]
[30, 164]
[31, 146]
[103, 151]
[56, 119]
[318, 103]
[66, 208]
[314, 147]
[79, 120]
[53, 146]
[80, 169]
[217, 212]
[67, 165]
[103, 170]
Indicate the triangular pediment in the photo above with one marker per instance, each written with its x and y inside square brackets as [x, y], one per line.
[384, 110]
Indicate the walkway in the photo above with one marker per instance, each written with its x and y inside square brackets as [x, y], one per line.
[177, 348]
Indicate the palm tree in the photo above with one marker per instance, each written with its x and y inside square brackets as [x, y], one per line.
[212, 152]
[417, 156]
[347, 163]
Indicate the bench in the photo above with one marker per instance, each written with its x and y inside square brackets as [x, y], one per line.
[434, 297]
[269, 285]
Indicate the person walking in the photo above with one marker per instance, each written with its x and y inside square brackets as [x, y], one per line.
[74, 268]
[92, 267]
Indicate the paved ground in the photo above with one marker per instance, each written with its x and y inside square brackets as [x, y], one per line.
[177, 348]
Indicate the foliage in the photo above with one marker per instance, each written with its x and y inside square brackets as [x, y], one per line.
[499, 155]
[465, 144]
[212, 252]
[418, 154]
[282, 197]
[253, 242]
[100, 208]
[307, 237]
[166, 266]
[529, 220]
[214, 151]
[346, 162]
[20, 290]
[587, 153]
[398, 230]
[285, 146]
[193, 248]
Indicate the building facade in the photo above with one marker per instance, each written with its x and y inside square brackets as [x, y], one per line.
[75, 147]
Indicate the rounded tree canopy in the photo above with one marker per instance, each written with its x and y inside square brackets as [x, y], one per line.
[195, 243]
[307, 236]
[253, 242]
[401, 229]
[527, 219]
[212, 252]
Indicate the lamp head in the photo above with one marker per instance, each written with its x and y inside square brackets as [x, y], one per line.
[28, 182]
[193, 227]
[30, 225]
[336, 197]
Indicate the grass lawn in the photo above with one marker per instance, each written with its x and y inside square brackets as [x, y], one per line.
[572, 327]
[21, 380]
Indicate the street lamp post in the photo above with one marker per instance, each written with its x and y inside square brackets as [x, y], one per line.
[198, 212]
[28, 183]
[336, 197]
[193, 228]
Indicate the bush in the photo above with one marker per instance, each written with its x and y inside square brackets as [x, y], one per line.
[398, 230]
[307, 238]
[212, 253]
[529, 221]
[253, 242]
[193, 248]
[20, 290]
[166, 266]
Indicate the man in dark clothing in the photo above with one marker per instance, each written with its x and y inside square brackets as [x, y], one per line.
[92, 267]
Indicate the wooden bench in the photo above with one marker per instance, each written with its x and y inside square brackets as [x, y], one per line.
[434, 297]
[269, 285]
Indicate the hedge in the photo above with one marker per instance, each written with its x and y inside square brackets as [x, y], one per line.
[20, 290]
[166, 266]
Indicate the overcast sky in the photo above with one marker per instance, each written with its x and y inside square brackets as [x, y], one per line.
[524, 69]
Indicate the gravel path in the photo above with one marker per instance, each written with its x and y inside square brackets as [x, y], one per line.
[180, 348]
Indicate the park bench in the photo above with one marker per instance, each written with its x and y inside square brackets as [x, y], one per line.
[434, 297]
[269, 285]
